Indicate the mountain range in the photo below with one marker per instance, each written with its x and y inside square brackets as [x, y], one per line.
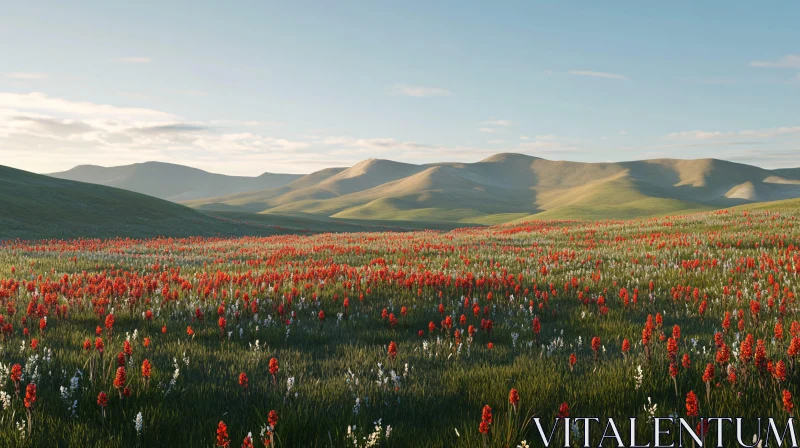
[151, 199]
[172, 182]
[508, 187]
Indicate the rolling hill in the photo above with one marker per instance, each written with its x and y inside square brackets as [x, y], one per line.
[507, 187]
[172, 182]
[34, 206]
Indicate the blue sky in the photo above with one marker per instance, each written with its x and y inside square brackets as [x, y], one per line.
[248, 87]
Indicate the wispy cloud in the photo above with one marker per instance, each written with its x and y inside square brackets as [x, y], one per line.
[135, 60]
[788, 61]
[694, 135]
[594, 74]
[40, 102]
[418, 91]
[352, 145]
[487, 130]
[496, 123]
[746, 133]
[26, 76]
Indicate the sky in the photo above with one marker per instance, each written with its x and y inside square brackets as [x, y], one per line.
[296, 86]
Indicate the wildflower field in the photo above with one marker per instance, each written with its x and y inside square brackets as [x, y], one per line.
[427, 338]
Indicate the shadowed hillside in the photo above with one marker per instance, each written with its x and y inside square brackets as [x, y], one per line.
[34, 206]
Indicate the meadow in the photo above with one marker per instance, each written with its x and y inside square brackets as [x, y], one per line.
[399, 339]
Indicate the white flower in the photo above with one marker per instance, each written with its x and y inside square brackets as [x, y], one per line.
[138, 423]
[638, 377]
[5, 399]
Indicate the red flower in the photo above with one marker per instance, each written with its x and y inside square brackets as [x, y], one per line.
[685, 362]
[321, 316]
[189, 331]
[120, 378]
[788, 405]
[272, 418]
[87, 344]
[626, 345]
[673, 369]
[573, 359]
[102, 399]
[708, 375]
[164, 329]
[243, 380]
[273, 366]
[490, 345]
[596, 343]
[146, 342]
[222, 435]
[99, 346]
[731, 375]
[30, 395]
[778, 330]
[392, 350]
[513, 397]
[110, 323]
[563, 410]
[120, 359]
[16, 373]
[248, 442]
[672, 349]
[222, 323]
[486, 414]
[761, 355]
[692, 405]
[780, 371]
[537, 327]
[146, 369]
[431, 327]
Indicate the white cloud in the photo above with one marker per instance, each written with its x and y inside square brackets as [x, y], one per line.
[42, 103]
[26, 76]
[735, 135]
[486, 130]
[788, 61]
[418, 91]
[597, 74]
[47, 134]
[135, 60]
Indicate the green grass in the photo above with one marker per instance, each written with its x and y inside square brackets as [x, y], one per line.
[445, 387]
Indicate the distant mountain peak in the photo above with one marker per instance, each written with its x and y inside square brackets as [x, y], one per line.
[506, 156]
